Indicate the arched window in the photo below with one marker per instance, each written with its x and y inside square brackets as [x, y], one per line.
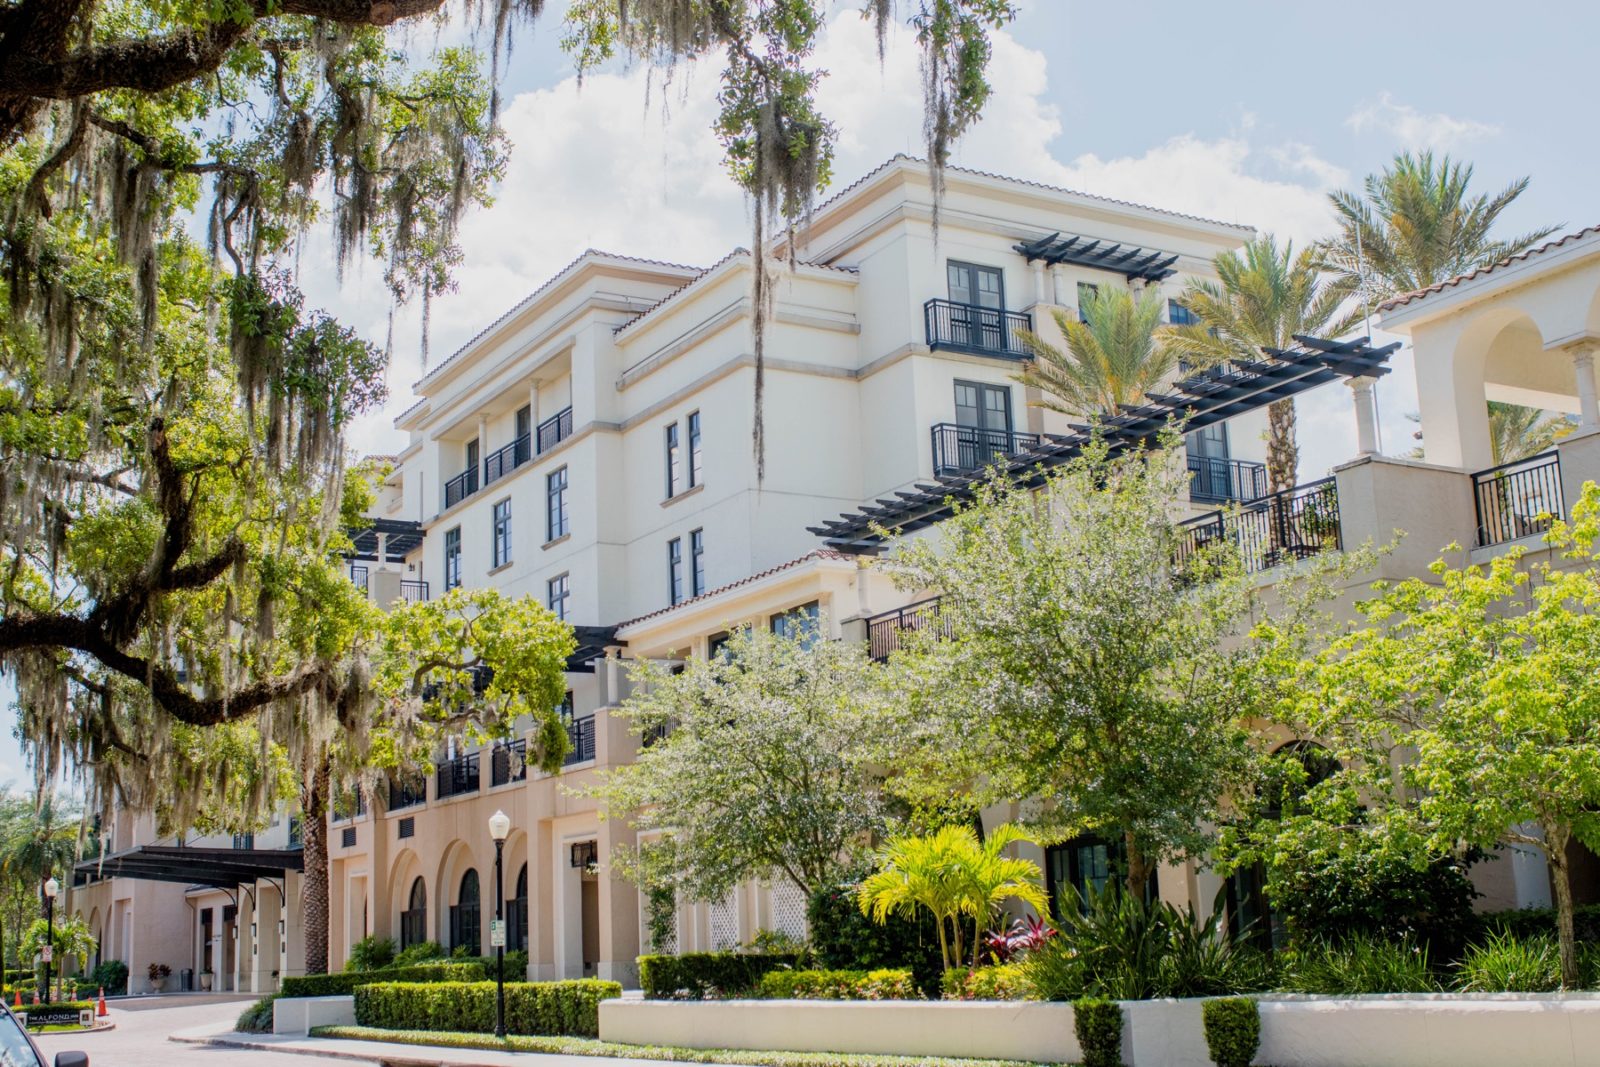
[464, 930]
[414, 920]
[517, 914]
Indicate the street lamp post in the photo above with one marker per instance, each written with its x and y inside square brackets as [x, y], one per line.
[51, 888]
[499, 828]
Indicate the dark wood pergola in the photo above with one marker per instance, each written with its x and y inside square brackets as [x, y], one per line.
[1131, 263]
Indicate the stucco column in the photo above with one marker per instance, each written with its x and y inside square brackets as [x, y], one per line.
[1361, 391]
[483, 441]
[1058, 274]
[1583, 369]
[1041, 285]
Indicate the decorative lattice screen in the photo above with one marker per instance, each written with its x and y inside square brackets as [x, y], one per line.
[725, 923]
[789, 909]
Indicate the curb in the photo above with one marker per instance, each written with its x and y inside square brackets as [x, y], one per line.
[296, 1049]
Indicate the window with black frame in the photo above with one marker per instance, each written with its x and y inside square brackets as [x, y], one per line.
[802, 622]
[414, 920]
[1080, 869]
[464, 916]
[452, 558]
[978, 296]
[517, 914]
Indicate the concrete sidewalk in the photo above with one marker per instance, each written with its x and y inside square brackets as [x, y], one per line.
[397, 1055]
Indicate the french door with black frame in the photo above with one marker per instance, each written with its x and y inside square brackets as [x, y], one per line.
[983, 421]
[978, 319]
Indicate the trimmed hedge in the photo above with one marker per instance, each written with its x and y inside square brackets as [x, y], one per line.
[1098, 1024]
[694, 975]
[559, 1008]
[1007, 981]
[345, 982]
[885, 984]
[1233, 1030]
[60, 1005]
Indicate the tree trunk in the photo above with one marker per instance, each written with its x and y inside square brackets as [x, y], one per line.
[1139, 867]
[1283, 453]
[314, 835]
[1556, 837]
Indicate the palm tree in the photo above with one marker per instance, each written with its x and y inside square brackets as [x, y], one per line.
[1111, 360]
[953, 875]
[1417, 226]
[1518, 432]
[36, 838]
[1267, 294]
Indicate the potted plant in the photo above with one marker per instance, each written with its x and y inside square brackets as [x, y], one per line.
[206, 980]
[158, 973]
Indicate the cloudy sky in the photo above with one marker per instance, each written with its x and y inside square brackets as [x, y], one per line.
[1245, 110]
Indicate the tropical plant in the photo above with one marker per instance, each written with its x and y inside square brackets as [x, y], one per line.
[1505, 964]
[1358, 965]
[1520, 432]
[1416, 226]
[1266, 294]
[844, 939]
[1064, 628]
[1025, 935]
[1484, 676]
[956, 878]
[809, 719]
[1117, 944]
[371, 953]
[1112, 360]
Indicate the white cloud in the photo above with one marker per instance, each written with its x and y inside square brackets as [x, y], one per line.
[1411, 128]
[603, 168]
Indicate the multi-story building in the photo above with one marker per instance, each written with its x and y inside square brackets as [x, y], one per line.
[594, 448]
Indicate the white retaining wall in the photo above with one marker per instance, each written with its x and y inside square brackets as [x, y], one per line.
[297, 1015]
[1539, 1030]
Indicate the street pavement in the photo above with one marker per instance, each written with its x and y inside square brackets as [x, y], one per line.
[144, 1023]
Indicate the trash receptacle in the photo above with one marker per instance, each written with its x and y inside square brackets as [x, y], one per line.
[186, 979]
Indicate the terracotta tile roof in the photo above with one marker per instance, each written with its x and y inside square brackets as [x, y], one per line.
[1477, 272]
[548, 283]
[903, 158]
[816, 554]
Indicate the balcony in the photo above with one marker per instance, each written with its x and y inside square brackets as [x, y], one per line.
[358, 576]
[1218, 480]
[1517, 499]
[885, 631]
[457, 776]
[406, 794]
[502, 461]
[980, 331]
[580, 735]
[958, 449]
[508, 763]
[413, 592]
[1280, 528]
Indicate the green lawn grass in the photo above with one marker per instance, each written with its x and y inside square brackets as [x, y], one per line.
[588, 1046]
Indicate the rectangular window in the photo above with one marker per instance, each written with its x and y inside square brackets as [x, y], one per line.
[558, 594]
[697, 562]
[1086, 293]
[555, 495]
[1178, 315]
[452, 558]
[674, 462]
[696, 471]
[524, 421]
[800, 622]
[675, 570]
[976, 286]
[472, 455]
[502, 533]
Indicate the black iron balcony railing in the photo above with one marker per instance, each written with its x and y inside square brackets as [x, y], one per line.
[580, 734]
[508, 762]
[413, 592]
[244, 842]
[554, 430]
[457, 776]
[1216, 480]
[966, 328]
[406, 794]
[1280, 528]
[460, 487]
[1517, 499]
[502, 461]
[969, 448]
[885, 631]
[358, 576]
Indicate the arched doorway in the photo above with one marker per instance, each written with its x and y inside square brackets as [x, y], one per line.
[414, 920]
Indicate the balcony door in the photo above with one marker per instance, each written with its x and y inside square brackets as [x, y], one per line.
[1210, 474]
[983, 421]
[979, 293]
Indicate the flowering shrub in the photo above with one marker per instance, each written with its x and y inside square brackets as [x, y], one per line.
[1003, 982]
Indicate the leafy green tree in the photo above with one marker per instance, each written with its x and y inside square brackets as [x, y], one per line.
[1264, 296]
[1465, 708]
[763, 761]
[1080, 666]
[1111, 360]
[954, 877]
[1417, 225]
[69, 936]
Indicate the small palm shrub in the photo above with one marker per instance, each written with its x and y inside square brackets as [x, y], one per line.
[1233, 1030]
[1098, 1024]
[1359, 965]
[421, 952]
[371, 954]
[1507, 964]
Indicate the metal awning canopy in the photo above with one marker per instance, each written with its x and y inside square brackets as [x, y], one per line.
[401, 538]
[1128, 261]
[220, 867]
[1202, 399]
[592, 644]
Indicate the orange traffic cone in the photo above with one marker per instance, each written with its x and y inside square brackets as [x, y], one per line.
[18, 1004]
[100, 1011]
[36, 996]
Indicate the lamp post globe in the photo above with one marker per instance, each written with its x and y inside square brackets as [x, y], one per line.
[499, 829]
[51, 888]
